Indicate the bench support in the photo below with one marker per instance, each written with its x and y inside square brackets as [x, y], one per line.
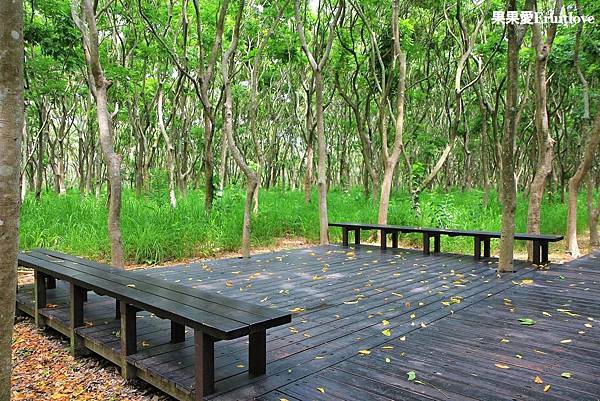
[486, 247]
[77, 298]
[436, 243]
[128, 339]
[357, 236]
[177, 332]
[540, 252]
[204, 360]
[426, 244]
[477, 250]
[345, 236]
[50, 283]
[395, 239]
[40, 297]
[257, 359]
[383, 239]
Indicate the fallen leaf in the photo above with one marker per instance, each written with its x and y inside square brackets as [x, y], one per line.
[566, 375]
[538, 380]
[321, 390]
[364, 352]
[387, 332]
[388, 360]
[527, 281]
[567, 341]
[385, 322]
[403, 338]
[411, 375]
[527, 322]
[297, 310]
[501, 366]
[546, 388]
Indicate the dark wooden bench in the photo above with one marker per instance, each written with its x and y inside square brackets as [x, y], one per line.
[540, 241]
[213, 317]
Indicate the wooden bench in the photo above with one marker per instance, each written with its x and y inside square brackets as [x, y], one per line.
[213, 317]
[540, 241]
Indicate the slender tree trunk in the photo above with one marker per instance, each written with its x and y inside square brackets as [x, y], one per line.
[575, 182]
[89, 33]
[11, 128]
[170, 150]
[545, 142]
[508, 191]
[321, 161]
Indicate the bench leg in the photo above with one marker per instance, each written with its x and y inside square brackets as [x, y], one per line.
[436, 243]
[395, 239]
[344, 236]
[357, 236]
[486, 247]
[117, 309]
[426, 244]
[128, 339]
[383, 240]
[177, 332]
[204, 360]
[40, 297]
[76, 315]
[477, 250]
[257, 360]
[50, 283]
[536, 253]
[544, 249]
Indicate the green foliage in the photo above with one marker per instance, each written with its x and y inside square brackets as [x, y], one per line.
[155, 233]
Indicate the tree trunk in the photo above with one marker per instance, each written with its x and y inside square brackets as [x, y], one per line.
[321, 161]
[575, 183]
[11, 129]
[545, 142]
[89, 33]
[170, 150]
[508, 192]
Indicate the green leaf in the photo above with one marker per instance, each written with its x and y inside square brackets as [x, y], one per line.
[527, 321]
[411, 375]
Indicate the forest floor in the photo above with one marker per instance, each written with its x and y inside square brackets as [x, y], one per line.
[43, 369]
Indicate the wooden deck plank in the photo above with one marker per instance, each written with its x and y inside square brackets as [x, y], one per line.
[344, 294]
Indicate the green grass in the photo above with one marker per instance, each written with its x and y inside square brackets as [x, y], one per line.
[154, 233]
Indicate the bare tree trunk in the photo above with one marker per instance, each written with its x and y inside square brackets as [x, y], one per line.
[545, 141]
[89, 33]
[170, 150]
[508, 191]
[11, 128]
[227, 59]
[575, 182]
[317, 66]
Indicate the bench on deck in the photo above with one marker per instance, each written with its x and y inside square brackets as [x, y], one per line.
[540, 241]
[213, 317]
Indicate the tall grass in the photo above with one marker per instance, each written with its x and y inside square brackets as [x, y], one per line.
[153, 232]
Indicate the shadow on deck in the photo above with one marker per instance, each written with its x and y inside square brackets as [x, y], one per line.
[363, 318]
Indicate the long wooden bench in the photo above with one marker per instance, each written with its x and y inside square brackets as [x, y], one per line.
[540, 241]
[213, 317]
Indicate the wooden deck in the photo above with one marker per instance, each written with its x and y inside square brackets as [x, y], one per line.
[451, 320]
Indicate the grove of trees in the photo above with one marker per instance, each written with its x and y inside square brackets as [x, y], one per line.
[328, 94]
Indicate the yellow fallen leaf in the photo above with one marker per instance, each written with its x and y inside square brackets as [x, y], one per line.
[321, 390]
[546, 388]
[228, 283]
[588, 325]
[567, 341]
[501, 366]
[297, 310]
[403, 338]
[385, 322]
[527, 281]
[283, 399]
[386, 332]
[387, 347]
[131, 285]
[504, 340]
[364, 352]
[566, 375]
[538, 380]
[546, 314]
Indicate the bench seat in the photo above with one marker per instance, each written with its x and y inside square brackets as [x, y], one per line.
[213, 317]
[540, 241]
